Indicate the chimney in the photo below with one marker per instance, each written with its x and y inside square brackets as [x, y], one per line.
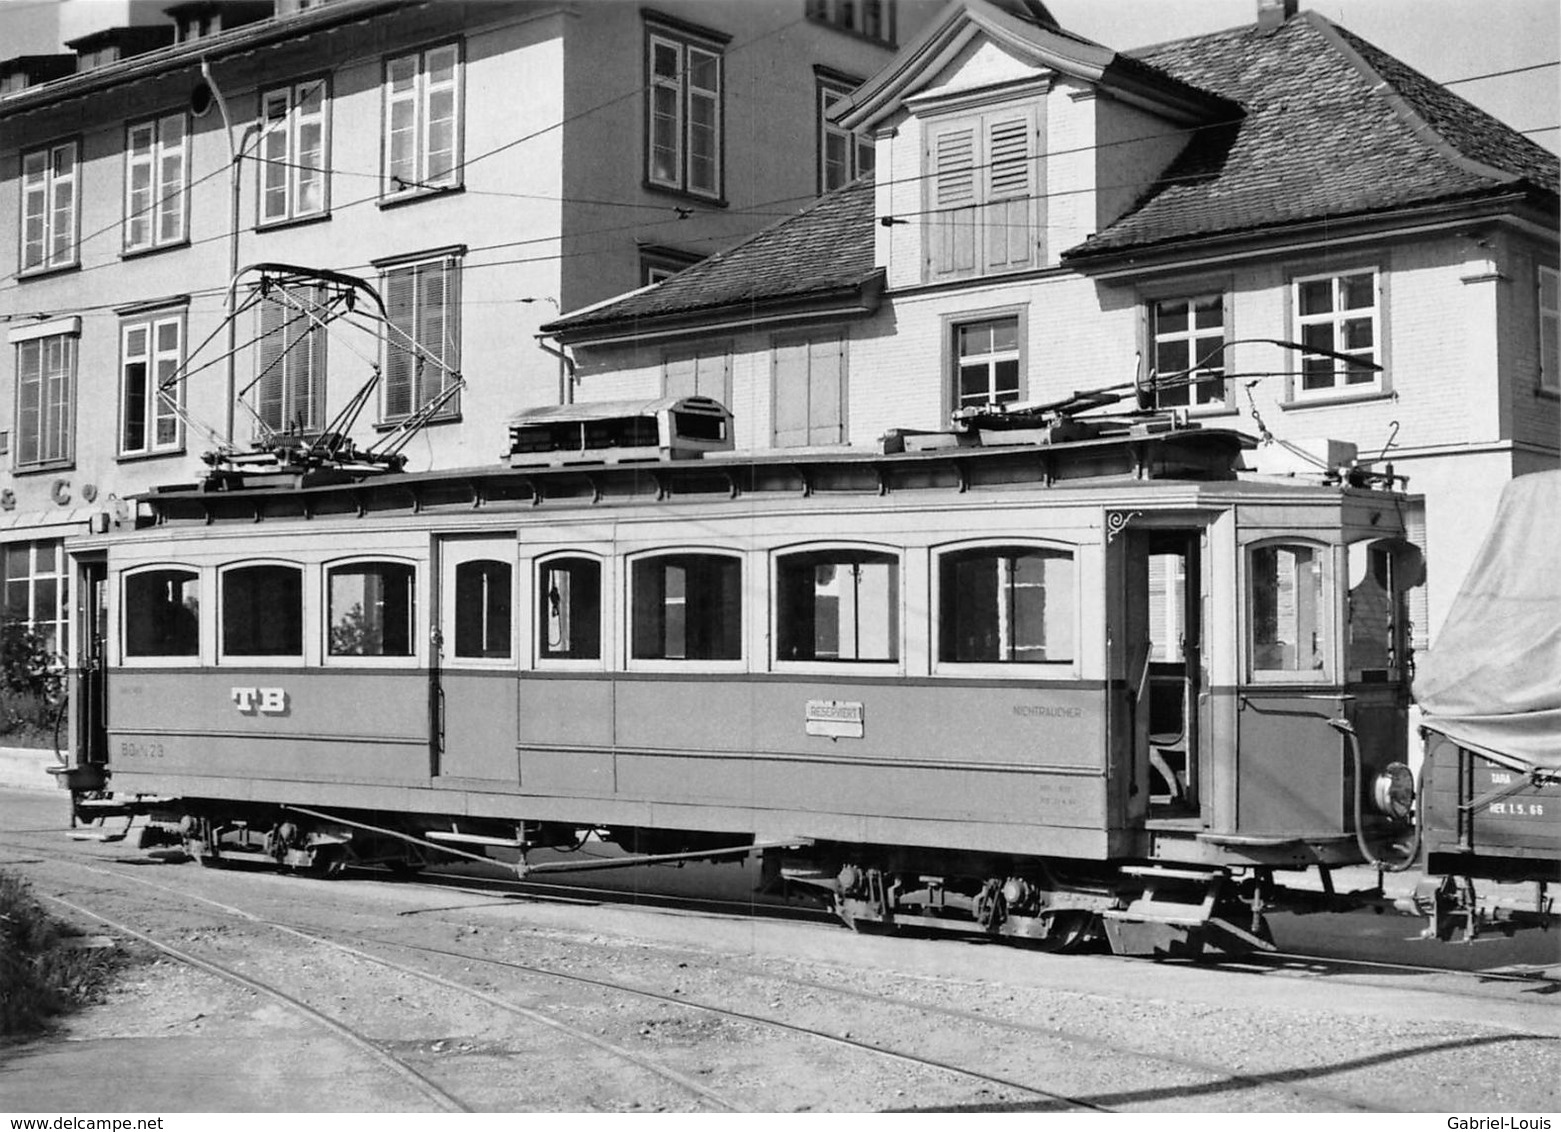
[1272, 14]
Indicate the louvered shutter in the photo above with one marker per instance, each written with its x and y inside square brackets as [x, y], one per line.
[400, 301]
[268, 364]
[1008, 237]
[951, 223]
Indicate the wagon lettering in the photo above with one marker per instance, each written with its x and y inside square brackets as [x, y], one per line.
[1047, 711]
[265, 701]
[835, 719]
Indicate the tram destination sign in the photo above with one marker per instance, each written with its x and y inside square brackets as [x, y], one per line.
[836, 719]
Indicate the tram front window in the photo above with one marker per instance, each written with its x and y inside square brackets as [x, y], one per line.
[1287, 609]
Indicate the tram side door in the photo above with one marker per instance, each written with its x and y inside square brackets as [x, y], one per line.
[1164, 634]
[472, 668]
[90, 717]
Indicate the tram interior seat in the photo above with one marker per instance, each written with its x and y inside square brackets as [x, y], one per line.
[1167, 733]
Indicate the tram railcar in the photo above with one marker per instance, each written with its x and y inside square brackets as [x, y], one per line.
[1054, 683]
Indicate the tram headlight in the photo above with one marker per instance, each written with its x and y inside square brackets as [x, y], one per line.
[1393, 791]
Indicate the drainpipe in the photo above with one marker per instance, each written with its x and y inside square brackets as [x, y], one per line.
[566, 370]
[235, 152]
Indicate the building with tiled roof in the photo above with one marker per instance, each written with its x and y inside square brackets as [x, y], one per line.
[1048, 215]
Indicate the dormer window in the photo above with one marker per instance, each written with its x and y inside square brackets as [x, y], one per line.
[981, 208]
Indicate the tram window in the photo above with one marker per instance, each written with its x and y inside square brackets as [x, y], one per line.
[162, 613]
[263, 611]
[687, 607]
[569, 614]
[838, 605]
[1376, 612]
[1006, 605]
[482, 609]
[1286, 583]
[371, 609]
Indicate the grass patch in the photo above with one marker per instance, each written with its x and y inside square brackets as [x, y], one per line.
[42, 973]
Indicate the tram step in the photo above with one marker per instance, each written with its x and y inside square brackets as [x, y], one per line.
[1166, 873]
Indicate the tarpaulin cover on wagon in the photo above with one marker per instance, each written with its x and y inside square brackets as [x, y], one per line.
[1493, 681]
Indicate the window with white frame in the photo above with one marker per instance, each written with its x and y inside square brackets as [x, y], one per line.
[262, 610]
[1189, 355]
[49, 208]
[423, 350]
[569, 609]
[45, 398]
[982, 206]
[36, 589]
[151, 352]
[837, 605]
[1006, 605]
[988, 362]
[1549, 330]
[371, 609]
[1286, 604]
[293, 152]
[1339, 314]
[422, 143]
[873, 19]
[684, 128]
[288, 393]
[156, 171]
[686, 607]
[808, 383]
[843, 155]
[658, 263]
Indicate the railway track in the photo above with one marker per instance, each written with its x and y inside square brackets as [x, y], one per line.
[1205, 1078]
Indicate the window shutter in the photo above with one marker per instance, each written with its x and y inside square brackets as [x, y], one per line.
[268, 364]
[790, 376]
[400, 301]
[1008, 235]
[679, 377]
[951, 235]
[309, 404]
[826, 383]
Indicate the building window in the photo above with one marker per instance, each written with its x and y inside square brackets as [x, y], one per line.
[837, 605]
[45, 400]
[263, 611]
[289, 385]
[1338, 314]
[49, 208]
[1287, 609]
[162, 613]
[422, 143]
[1006, 605]
[569, 609]
[707, 374]
[1189, 355]
[36, 590]
[684, 147]
[809, 392]
[293, 152]
[659, 263]
[687, 607]
[843, 156]
[423, 353]
[982, 206]
[988, 362]
[372, 611]
[873, 19]
[483, 608]
[155, 175]
[1549, 330]
[150, 358]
